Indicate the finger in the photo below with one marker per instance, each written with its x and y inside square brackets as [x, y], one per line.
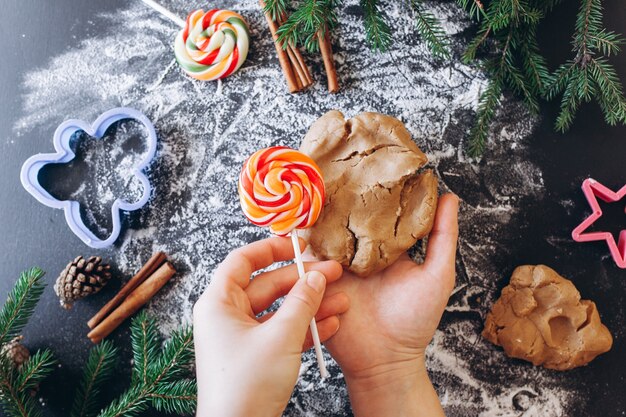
[300, 306]
[241, 263]
[442, 241]
[326, 328]
[331, 306]
[265, 288]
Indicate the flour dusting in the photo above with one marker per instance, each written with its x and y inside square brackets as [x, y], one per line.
[206, 130]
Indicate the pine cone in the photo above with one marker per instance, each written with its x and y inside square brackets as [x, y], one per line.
[16, 351]
[80, 278]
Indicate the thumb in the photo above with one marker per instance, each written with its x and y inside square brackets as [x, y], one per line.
[301, 304]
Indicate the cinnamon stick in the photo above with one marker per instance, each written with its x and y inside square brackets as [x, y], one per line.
[297, 60]
[329, 62]
[149, 267]
[283, 57]
[135, 300]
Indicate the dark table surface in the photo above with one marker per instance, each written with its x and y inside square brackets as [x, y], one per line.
[33, 32]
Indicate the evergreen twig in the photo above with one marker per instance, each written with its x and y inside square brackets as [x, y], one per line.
[159, 375]
[16, 383]
[589, 75]
[307, 21]
[20, 304]
[378, 32]
[430, 29]
[99, 369]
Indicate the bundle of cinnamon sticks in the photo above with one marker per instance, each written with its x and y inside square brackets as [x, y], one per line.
[292, 63]
[131, 297]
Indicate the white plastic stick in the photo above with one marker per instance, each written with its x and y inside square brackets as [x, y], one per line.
[156, 6]
[316, 337]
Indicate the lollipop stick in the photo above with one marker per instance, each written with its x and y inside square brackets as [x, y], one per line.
[315, 335]
[156, 6]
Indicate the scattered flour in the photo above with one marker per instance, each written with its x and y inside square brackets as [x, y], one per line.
[206, 130]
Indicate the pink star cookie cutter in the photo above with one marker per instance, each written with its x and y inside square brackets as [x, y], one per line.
[594, 190]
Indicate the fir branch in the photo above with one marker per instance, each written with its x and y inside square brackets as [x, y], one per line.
[99, 369]
[534, 65]
[162, 386]
[608, 43]
[569, 105]
[175, 397]
[132, 402]
[430, 29]
[487, 106]
[20, 304]
[611, 93]
[478, 41]
[276, 8]
[35, 370]
[476, 8]
[14, 402]
[311, 18]
[175, 358]
[16, 384]
[145, 340]
[378, 32]
[589, 76]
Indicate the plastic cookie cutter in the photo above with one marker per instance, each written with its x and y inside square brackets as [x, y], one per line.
[594, 190]
[62, 138]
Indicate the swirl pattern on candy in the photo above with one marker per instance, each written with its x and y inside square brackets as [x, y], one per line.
[281, 188]
[212, 45]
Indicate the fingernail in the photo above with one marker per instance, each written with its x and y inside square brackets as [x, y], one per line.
[316, 280]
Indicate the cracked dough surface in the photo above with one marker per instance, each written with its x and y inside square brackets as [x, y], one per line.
[377, 203]
[540, 318]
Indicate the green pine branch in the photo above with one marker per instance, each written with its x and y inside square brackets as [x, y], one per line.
[378, 32]
[175, 397]
[475, 8]
[98, 370]
[276, 8]
[311, 18]
[146, 343]
[160, 376]
[431, 31]
[17, 383]
[487, 107]
[35, 370]
[20, 304]
[589, 76]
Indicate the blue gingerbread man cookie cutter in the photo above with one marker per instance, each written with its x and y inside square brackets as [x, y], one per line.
[62, 138]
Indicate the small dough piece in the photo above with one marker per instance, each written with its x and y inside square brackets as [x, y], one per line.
[377, 204]
[540, 318]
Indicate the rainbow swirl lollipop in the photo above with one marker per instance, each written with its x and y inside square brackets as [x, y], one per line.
[281, 188]
[212, 45]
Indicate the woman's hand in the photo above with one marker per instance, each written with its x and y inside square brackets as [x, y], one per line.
[392, 318]
[248, 366]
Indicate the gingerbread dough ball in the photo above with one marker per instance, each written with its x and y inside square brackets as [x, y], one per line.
[377, 203]
[541, 318]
